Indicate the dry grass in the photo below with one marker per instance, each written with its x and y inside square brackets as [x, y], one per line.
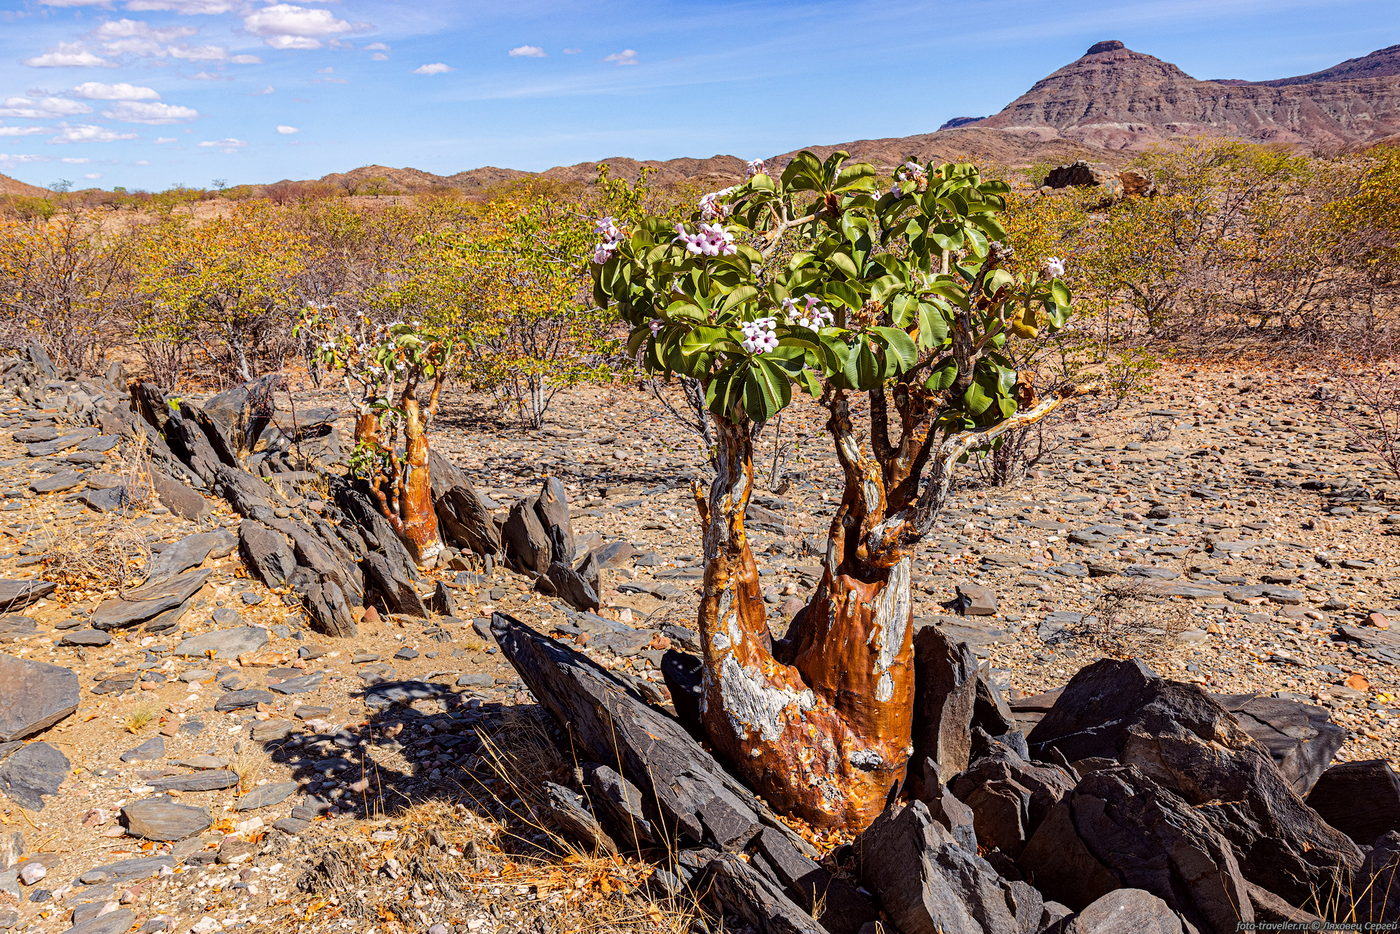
[111, 556]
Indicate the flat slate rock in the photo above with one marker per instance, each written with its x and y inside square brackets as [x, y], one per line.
[153, 748]
[149, 601]
[302, 684]
[113, 922]
[17, 594]
[56, 483]
[190, 552]
[33, 696]
[265, 796]
[238, 700]
[210, 780]
[127, 870]
[162, 818]
[31, 772]
[223, 643]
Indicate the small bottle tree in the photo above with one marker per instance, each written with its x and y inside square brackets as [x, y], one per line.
[393, 374]
[895, 309]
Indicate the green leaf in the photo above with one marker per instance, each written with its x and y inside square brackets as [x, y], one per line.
[845, 264]
[942, 377]
[901, 348]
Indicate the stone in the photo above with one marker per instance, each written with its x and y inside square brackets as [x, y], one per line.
[190, 552]
[153, 748]
[57, 482]
[975, 600]
[1119, 829]
[117, 921]
[223, 643]
[945, 692]
[86, 637]
[15, 627]
[524, 537]
[127, 870]
[162, 818]
[1375, 892]
[464, 518]
[31, 772]
[395, 587]
[1187, 742]
[111, 499]
[18, 594]
[1124, 911]
[571, 587]
[210, 780]
[759, 902]
[180, 498]
[301, 684]
[33, 696]
[238, 700]
[1361, 799]
[568, 813]
[267, 554]
[265, 796]
[1009, 797]
[928, 884]
[149, 601]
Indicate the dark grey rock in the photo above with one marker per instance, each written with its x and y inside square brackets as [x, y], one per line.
[265, 796]
[223, 643]
[153, 748]
[1124, 911]
[1361, 799]
[127, 870]
[190, 552]
[33, 696]
[238, 700]
[86, 637]
[162, 818]
[208, 780]
[118, 921]
[18, 594]
[31, 772]
[152, 600]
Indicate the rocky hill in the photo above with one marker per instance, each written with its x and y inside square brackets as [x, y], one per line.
[13, 186]
[1114, 98]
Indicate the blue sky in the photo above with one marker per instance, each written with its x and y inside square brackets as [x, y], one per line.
[150, 93]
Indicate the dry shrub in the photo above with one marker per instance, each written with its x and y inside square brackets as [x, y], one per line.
[1131, 619]
[111, 556]
[1368, 407]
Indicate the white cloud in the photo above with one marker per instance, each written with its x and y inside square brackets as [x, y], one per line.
[187, 7]
[286, 26]
[328, 70]
[245, 60]
[97, 91]
[87, 133]
[136, 29]
[287, 130]
[92, 175]
[75, 160]
[162, 140]
[435, 68]
[142, 162]
[572, 51]
[150, 112]
[68, 55]
[199, 53]
[16, 159]
[527, 51]
[376, 47]
[625, 57]
[228, 144]
[380, 57]
[267, 90]
[209, 76]
[21, 130]
[42, 108]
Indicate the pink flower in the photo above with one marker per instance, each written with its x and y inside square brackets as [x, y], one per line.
[1054, 267]
[757, 167]
[656, 325]
[708, 240]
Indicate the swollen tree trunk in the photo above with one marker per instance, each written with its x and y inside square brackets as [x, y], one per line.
[822, 727]
[418, 520]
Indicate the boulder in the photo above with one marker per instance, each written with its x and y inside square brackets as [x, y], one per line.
[149, 601]
[1185, 741]
[552, 508]
[1119, 829]
[463, 516]
[1361, 799]
[190, 552]
[526, 542]
[180, 498]
[1376, 889]
[161, 818]
[266, 553]
[393, 590]
[945, 693]
[743, 892]
[1009, 797]
[33, 696]
[223, 643]
[565, 810]
[31, 772]
[570, 586]
[1123, 911]
[928, 884]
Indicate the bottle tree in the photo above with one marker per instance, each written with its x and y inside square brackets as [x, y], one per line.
[393, 374]
[895, 309]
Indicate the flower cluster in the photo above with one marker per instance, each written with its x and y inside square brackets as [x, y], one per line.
[711, 207]
[760, 335]
[612, 236]
[907, 178]
[1054, 267]
[811, 314]
[757, 167]
[655, 324]
[709, 240]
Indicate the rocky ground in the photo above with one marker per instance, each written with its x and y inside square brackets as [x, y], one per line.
[226, 769]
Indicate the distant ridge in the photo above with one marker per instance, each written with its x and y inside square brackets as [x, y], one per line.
[13, 186]
[1107, 104]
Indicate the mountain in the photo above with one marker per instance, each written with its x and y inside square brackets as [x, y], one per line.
[1114, 98]
[1110, 102]
[13, 186]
